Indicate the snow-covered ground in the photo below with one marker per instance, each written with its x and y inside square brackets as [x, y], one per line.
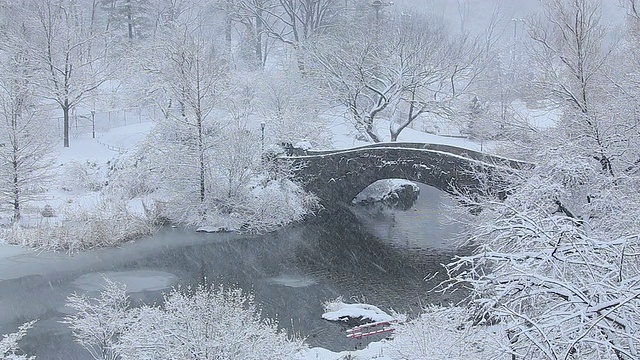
[343, 136]
[84, 162]
[375, 350]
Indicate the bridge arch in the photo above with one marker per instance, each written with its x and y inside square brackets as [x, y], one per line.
[337, 176]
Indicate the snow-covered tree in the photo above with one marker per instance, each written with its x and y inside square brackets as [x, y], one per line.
[442, 333]
[132, 16]
[353, 72]
[572, 55]
[9, 349]
[203, 158]
[72, 63]
[25, 145]
[299, 23]
[435, 66]
[253, 16]
[481, 125]
[290, 109]
[556, 263]
[192, 81]
[236, 159]
[410, 67]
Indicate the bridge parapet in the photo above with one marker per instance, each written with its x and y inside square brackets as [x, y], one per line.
[455, 150]
[339, 175]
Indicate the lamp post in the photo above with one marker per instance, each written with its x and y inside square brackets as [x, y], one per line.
[377, 4]
[515, 27]
[262, 125]
[515, 44]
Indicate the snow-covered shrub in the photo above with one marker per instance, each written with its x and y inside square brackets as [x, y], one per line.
[194, 323]
[129, 174]
[277, 203]
[109, 223]
[333, 305]
[98, 322]
[48, 211]
[9, 349]
[202, 323]
[443, 333]
[228, 191]
[88, 175]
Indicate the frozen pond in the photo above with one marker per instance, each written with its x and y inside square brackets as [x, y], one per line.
[378, 257]
[135, 281]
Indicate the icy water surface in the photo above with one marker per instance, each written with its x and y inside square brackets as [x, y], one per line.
[375, 256]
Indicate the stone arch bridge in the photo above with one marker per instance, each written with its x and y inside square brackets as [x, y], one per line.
[337, 176]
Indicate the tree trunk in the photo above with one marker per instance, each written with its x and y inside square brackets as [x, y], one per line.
[413, 114]
[65, 125]
[14, 166]
[372, 134]
[202, 172]
[16, 187]
[129, 20]
[227, 30]
[258, 40]
[299, 58]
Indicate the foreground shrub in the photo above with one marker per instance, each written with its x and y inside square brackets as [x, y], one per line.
[194, 323]
[443, 333]
[9, 349]
[99, 321]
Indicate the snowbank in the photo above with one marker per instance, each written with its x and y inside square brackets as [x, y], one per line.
[375, 350]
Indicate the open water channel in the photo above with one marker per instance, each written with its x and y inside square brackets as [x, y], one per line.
[380, 257]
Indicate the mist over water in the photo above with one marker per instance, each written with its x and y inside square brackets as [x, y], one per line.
[372, 255]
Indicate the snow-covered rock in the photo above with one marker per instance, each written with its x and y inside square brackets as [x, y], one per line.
[48, 211]
[303, 144]
[354, 313]
[213, 229]
[397, 193]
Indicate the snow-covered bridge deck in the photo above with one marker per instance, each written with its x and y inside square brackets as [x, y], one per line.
[339, 175]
